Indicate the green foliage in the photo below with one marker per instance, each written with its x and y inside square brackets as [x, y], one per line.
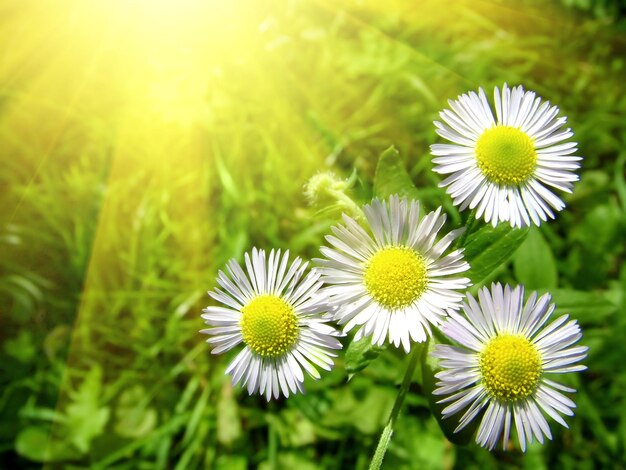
[613, 9]
[33, 443]
[85, 418]
[534, 264]
[133, 419]
[359, 354]
[22, 347]
[489, 248]
[391, 177]
[589, 308]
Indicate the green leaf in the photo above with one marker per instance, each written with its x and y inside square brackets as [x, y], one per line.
[226, 178]
[34, 444]
[293, 428]
[534, 263]
[133, 418]
[56, 340]
[228, 421]
[359, 354]
[299, 460]
[430, 367]
[231, 462]
[392, 178]
[86, 419]
[589, 308]
[489, 248]
[533, 457]
[41, 413]
[200, 410]
[422, 443]
[22, 347]
[372, 410]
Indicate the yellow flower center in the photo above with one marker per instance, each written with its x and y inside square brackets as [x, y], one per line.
[269, 326]
[510, 367]
[396, 277]
[506, 155]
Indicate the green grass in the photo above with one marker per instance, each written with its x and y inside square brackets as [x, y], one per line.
[114, 221]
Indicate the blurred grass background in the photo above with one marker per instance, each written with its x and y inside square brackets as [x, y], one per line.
[144, 143]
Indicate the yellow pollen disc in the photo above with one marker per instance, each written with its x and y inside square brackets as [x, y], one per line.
[510, 367]
[396, 277]
[506, 155]
[269, 326]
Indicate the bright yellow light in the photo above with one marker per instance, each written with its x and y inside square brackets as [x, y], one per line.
[161, 53]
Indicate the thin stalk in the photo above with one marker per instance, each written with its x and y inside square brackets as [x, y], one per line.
[385, 437]
[348, 203]
[469, 227]
[272, 437]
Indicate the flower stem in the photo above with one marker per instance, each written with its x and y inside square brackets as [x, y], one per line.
[469, 227]
[348, 203]
[273, 446]
[272, 437]
[385, 437]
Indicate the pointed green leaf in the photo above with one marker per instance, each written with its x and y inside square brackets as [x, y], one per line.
[359, 354]
[534, 263]
[488, 248]
[589, 308]
[392, 178]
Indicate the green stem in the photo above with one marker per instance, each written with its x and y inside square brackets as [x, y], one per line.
[385, 437]
[272, 438]
[349, 204]
[469, 227]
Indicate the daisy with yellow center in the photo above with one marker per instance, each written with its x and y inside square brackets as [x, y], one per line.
[395, 282]
[275, 310]
[508, 166]
[505, 363]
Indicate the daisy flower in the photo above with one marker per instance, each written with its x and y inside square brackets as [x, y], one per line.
[505, 363]
[507, 166]
[275, 310]
[397, 282]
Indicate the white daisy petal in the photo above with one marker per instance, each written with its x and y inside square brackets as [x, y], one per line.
[503, 167]
[395, 280]
[507, 352]
[274, 309]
